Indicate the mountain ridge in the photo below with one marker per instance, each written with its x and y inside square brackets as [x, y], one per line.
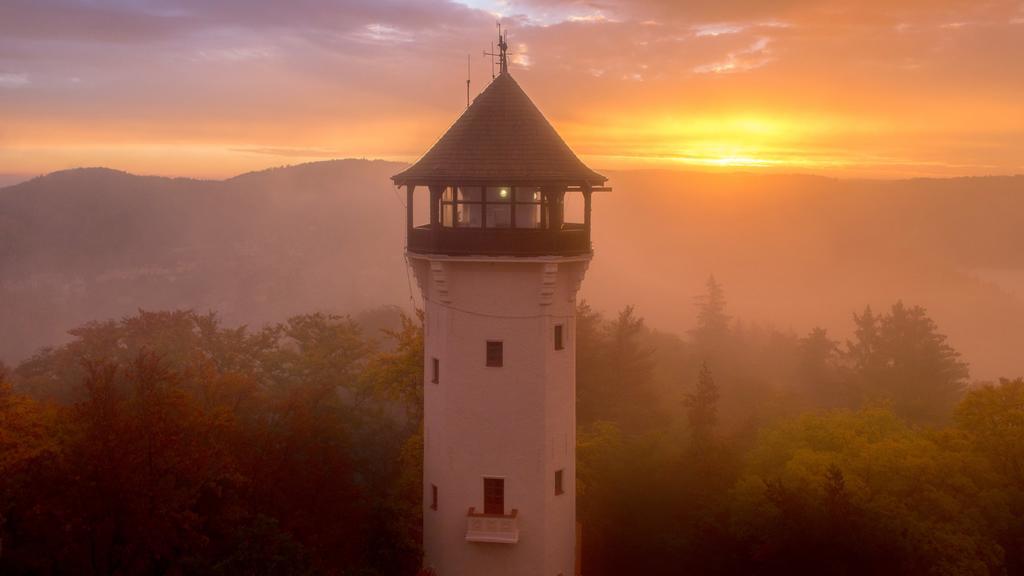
[793, 250]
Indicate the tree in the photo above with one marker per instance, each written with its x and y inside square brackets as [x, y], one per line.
[712, 320]
[866, 493]
[180, 446]
[592, 383]
[819, 374]
[993, 417]
[702, 409]
[901, 358]
[631, 401]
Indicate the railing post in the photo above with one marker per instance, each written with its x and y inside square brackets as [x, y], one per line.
[408, 207]
[435, 216]
[556, 214]
[587, 192]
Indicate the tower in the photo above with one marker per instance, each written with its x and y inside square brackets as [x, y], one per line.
[499, 269]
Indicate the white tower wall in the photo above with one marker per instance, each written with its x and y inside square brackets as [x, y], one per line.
[515, 422]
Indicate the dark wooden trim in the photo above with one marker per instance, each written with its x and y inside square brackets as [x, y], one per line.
[408, 206]
[587, 210]
[435, 213]
[571, 240]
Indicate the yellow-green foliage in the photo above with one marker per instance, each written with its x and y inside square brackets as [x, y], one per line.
[926, 498]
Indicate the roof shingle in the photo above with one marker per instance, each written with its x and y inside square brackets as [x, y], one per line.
[502, 137]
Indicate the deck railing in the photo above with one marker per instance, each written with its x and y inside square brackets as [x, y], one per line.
[571, 240]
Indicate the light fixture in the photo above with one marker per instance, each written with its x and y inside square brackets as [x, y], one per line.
[503, 192]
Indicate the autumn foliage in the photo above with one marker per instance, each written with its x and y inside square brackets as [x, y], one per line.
[167, 443]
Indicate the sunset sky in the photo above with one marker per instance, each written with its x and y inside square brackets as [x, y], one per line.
[211, 89]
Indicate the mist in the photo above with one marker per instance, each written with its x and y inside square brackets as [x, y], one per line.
[792, 252]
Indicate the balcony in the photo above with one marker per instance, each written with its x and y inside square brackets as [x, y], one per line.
[570, 240]
[493, 528]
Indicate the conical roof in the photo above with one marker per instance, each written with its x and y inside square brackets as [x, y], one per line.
[502, 138]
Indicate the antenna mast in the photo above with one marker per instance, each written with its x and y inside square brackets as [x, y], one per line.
[491, 54]
[503, 48]
[502, 52]
[469, 73]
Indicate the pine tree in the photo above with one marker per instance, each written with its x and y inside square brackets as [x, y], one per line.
[712, 320]
[702, 408]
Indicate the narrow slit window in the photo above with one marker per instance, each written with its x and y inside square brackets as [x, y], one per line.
[435, 373]
[559, 337]
[495, 353]
[433, 497]
[559, 487]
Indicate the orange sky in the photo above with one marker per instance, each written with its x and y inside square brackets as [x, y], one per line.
[195, 88]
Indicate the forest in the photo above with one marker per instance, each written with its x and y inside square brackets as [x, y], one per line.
[168, 442]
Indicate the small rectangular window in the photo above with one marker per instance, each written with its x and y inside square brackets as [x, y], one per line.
[435, 374]
[559, 342]
[495, 353]
[559, 488]
[494, 496]
[433, 497]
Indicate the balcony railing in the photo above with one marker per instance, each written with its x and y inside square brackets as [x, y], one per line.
[570, 240]
[497, 528]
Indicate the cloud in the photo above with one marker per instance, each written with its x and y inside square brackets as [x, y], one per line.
[10, 80]
[382, 33]
[754, 56]
[238, 54]
[385, 77]
[292, 152]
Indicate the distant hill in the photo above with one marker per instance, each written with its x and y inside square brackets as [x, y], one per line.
[93, 243]
[794, 251]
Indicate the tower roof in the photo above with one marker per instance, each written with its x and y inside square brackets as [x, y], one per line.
[501, 138]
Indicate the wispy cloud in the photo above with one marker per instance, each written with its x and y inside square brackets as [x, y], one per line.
[384, 34]
[754, 56]
[239, 54]
[717, 29]
[11, 80]
[292, 152]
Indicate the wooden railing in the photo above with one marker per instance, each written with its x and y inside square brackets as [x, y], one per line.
[570, 240]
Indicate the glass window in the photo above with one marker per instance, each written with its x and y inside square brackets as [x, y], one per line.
[447, 214]
[528, 207]
[468, 215]
[527, 215]
[469, 194]
[527, 194]
[499, 194]
[559, 343]
[559, 487]
[499, 216]
[436, 375]
[433, 497]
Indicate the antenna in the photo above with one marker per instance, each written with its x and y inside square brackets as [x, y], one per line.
[502, 53]
[469, 73]
[503, 47]
[492, 55]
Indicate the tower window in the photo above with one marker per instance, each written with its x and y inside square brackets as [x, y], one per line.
[435, 374]
[559, 488]
[559, 338]
[494, 496]
[433, 497]
[495, 353]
